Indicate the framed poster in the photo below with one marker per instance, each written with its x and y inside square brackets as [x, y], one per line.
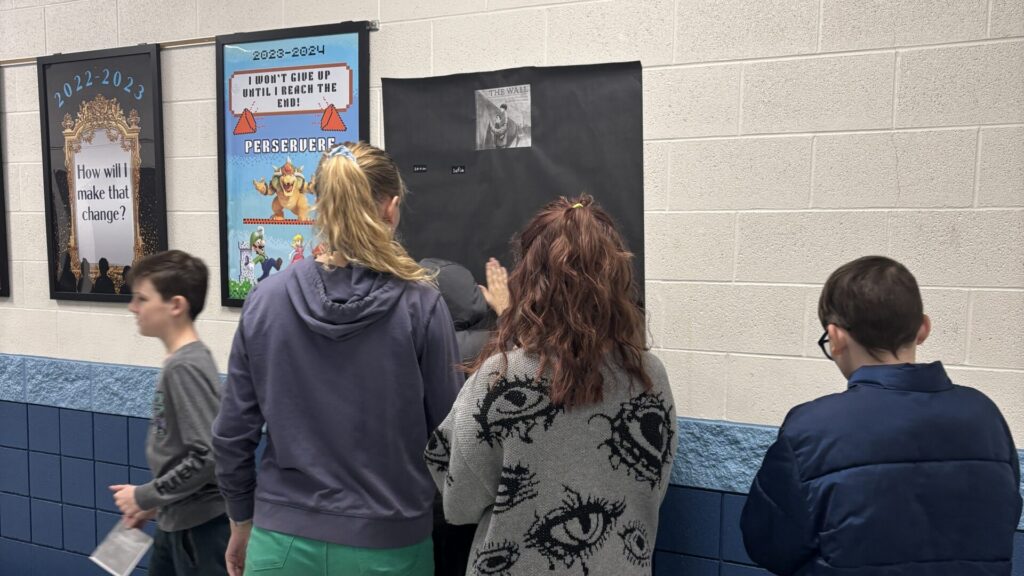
[103, 168]
[5, 271]
[284, 97]
[497, 146]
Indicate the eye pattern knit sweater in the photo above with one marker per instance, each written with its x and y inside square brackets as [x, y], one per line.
[555, 489]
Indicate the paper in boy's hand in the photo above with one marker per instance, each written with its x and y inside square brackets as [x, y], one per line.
[121, 550]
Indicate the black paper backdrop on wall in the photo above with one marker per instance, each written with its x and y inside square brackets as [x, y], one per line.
[5, 239]
[102, 117]
[482, 152]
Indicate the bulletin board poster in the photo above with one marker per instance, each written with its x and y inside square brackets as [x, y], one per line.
[284, 98]
[495, 147]
[5, 273]
[103, 163]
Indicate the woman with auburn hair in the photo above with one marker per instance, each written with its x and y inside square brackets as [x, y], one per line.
[349, 359]
[560, 443]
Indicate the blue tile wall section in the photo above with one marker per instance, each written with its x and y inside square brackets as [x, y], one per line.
[12, 378]
[13, 425]
[105, 521]
[732, 539]
[47, 524]
[126, 390]
[692, 520]
[111, 438]
[720, 456]
[15, 517]
[740, 570]
[14, 471]
[668, 564]
[60, 447]
[137, 430]
[108, 475]
[62, 383]
[14, 557]
[79, 529]
[1018, 554]
[44, 429]
[77, 482]
[76, 433]
[139, 476]
[44, 476]
[24, 559]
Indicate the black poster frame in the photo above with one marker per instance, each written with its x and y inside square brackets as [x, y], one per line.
[362, 28]
[5, 239]
[156, 198]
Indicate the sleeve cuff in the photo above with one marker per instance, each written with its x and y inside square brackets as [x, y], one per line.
[146, 496]
[241, 510]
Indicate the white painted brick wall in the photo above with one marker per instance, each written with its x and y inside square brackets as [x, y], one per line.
[979, 84]
[696, 101]
[713, 30]
[79, 26]
[783, 138]
[1007, 18]
[933, 168]
[1001, 167]
[817, 94]
[788, 247]
[237, 16]
[740, 173]
[187, 74]
[310, 12]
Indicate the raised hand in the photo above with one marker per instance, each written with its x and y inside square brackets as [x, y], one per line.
[496, 291]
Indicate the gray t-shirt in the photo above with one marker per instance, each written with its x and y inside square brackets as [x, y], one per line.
[179, 443]
[574, 490]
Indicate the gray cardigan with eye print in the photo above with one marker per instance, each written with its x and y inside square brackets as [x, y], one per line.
[575, 490]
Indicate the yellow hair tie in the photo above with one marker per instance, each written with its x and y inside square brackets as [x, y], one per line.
[577, 205]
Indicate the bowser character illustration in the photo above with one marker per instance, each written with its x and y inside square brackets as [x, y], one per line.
[289, 187]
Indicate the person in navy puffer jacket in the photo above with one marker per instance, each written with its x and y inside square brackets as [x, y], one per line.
[904, 473]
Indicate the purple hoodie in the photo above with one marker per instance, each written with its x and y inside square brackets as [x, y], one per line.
[350, 370]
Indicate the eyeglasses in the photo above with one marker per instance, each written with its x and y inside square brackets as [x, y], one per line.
[823, 343]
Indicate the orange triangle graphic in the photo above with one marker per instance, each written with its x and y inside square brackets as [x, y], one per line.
[331, 120]
[246, 123]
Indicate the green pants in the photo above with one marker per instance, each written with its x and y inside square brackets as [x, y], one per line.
[276, 554]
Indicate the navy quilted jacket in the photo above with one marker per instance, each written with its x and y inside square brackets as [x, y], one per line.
[902, 474]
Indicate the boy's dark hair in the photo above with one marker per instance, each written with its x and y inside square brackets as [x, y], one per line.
[175, 273]
[876, 300]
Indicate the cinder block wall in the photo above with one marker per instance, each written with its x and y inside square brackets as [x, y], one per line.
[782, 138]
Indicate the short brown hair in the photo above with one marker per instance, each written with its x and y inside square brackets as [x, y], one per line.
[175, 273]
[876, 300]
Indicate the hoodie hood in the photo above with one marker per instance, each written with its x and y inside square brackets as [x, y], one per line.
[459, 290]
[340, 302]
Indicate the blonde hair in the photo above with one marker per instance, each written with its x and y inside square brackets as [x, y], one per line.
[348, 220]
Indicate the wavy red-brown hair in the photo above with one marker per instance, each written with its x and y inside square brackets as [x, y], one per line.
[572, 302]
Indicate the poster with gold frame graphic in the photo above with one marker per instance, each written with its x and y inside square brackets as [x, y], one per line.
[102, 139]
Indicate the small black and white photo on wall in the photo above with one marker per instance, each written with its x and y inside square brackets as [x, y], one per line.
[503, 117]
[102, 139]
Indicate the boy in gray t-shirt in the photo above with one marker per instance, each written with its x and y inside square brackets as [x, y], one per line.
[168, 292]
